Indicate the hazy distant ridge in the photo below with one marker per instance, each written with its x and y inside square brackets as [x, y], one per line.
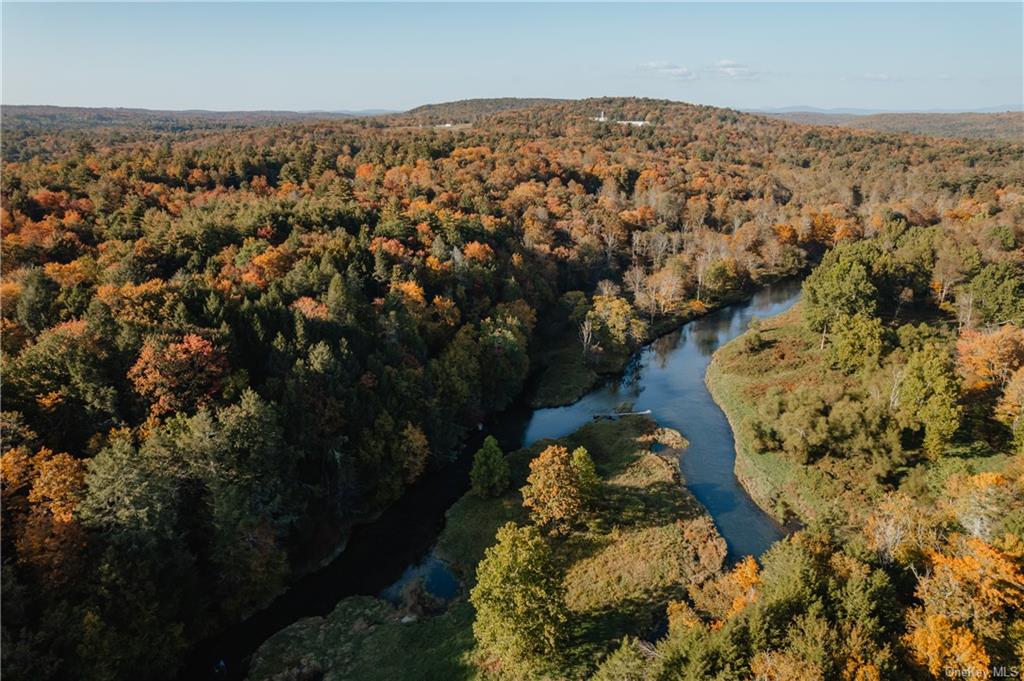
[1007, 125]
[470, 109]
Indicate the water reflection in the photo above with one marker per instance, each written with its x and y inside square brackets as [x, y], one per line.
[667, 377]
[432, 574]
[707, 339]
[663, 347]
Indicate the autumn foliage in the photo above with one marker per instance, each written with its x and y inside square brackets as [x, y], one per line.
[40, 494]
[553, 492]
[226, 337]
[990, 359]
[178, 376]
[939, 645]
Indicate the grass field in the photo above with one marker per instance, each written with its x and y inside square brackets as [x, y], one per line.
[648, 539]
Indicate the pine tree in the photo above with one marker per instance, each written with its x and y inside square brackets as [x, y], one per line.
[840, 285]
[928, 398]
[489, 476]
[856, 342]
[586, 475]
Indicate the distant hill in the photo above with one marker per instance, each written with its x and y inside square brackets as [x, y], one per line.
[815, 110]
[813, 117]
[27, 126]
[1001, 108]
[358, 113]
[472, 109]
[79, 118]
[1008, 125]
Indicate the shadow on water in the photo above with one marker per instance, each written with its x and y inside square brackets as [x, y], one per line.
[379, 559]
[667, 377]
[382, 557]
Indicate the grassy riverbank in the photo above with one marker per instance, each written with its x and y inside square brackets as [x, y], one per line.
[833, 488]
[648, 541]
[564, 375]
[737, 377]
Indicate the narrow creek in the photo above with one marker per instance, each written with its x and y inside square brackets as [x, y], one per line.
[665, 376]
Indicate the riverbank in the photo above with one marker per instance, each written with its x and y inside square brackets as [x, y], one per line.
[736, 378]
[838, 486]
[564, 375]
[648, 541]
[667, 377]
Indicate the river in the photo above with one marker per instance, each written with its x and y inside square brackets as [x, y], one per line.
[665, 376]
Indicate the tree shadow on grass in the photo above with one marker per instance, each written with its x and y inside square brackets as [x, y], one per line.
[656, 504]
[595, 633]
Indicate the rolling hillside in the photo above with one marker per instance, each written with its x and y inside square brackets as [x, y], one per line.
[1007, 125]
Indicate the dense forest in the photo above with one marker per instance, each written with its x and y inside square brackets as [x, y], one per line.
[1007, 125]
[885, 413]
[227, 341]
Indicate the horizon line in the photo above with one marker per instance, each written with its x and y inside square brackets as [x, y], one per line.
[383, 111]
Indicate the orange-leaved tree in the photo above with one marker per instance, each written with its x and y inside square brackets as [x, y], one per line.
[940, 646]
[553, 492]
[989, 359]
[179, 376]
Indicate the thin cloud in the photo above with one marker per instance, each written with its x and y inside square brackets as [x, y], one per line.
[728, 68]
[878, 77]
[667, 69]
[724, 68]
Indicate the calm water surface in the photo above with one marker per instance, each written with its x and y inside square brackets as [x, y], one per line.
[667, 377]
[382, 557]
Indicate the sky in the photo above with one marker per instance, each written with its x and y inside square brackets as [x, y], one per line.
[301, 57]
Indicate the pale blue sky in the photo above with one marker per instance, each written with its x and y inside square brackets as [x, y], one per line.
[396, 56]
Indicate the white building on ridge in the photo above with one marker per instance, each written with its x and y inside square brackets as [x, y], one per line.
[604, 119]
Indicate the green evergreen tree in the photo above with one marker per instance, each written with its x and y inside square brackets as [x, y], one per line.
[337, 298]
[928, 398]
[35, 309]
[856, 342]
[489, 476]
[997, 294]
[627, 662]
[841, 285]
[586, 474]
